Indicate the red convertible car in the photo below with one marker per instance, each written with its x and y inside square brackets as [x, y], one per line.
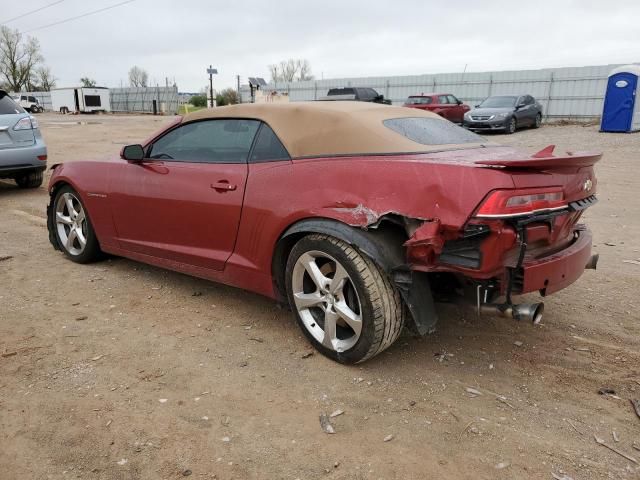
[360, 216]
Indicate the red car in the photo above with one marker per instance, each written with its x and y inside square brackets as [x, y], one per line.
[444, 104]
[359, 215]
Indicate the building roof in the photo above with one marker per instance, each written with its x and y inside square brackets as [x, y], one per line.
[313, 129]
[635, 69]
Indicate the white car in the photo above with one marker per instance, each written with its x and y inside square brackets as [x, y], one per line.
[29, 103]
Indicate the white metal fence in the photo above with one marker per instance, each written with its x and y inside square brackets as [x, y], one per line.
[130, 99]
[571, 93]
[141, 100]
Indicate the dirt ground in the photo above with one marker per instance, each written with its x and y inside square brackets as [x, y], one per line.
[118, 370]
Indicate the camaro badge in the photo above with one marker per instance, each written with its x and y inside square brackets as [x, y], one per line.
[587, 185]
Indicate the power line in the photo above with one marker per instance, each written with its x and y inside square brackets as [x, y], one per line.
[79, 16]
[32, 11]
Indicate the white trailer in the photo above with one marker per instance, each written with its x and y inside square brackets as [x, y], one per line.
[80, 100]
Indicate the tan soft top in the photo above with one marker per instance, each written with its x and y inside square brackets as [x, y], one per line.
[313, 129]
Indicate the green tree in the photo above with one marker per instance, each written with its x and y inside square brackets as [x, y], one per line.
[18, 58]
[88, 82]
[198, 101]
[228, 96]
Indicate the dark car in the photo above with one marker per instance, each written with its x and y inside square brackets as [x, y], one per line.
[504, 113]
[444, 104]
[358, 94]
[353, 213]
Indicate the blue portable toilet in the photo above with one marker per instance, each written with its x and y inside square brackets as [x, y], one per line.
[621, 110]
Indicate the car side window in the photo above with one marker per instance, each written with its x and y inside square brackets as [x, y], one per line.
[443, 100]
[529, 100]
[225, 140]
[452, 99]
[268, 147]
[32, 99]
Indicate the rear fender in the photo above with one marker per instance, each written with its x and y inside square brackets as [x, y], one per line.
[384, 245]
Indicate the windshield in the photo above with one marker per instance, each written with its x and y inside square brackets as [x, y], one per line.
[499, 102]
[432, 131]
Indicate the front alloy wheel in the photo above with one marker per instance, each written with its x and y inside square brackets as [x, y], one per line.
[512, 125]
[71, 223]
[345, 305]
[72, 227]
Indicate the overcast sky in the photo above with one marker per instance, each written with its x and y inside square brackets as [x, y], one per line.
[179, 39]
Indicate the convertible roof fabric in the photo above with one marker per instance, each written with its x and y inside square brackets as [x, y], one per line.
[318, 129]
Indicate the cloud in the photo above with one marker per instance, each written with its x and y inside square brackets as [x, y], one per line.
[340, 38]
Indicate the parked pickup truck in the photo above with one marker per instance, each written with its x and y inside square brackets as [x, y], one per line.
[358, 94]
[444, 104]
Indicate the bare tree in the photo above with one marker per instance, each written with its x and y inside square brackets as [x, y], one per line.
[292, 70]
[45, 80]
[138, 77]
[18, 58]
[88, 82]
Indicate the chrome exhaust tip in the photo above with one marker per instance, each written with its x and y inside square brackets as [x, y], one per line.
[531, 312]
[593, 262]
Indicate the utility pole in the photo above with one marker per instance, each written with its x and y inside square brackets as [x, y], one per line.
[211, 71]
[239, 98]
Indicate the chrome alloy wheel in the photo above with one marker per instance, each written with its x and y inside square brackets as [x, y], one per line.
[71, 223]
[327, 301]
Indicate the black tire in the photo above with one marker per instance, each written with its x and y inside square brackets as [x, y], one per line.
[512, 126]
[538, 121]
[91, 251]
[381, 308]
[30, 180]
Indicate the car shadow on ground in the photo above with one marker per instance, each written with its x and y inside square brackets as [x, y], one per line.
[459, 329]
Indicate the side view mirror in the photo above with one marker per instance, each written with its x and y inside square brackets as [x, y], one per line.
[459, 102]
[134, 153]
[519, 106]
[477, 106]
[379, 98]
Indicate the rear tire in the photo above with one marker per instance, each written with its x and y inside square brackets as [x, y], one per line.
[30, 180]
[72, 228]
[355, 313]
[538, 121]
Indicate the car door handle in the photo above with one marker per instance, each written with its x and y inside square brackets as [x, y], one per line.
[223, 186]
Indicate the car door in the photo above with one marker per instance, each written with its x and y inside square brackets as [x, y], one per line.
[530, 109]
[183, 201]
[458, 109]
[521, 111]
[444, 107]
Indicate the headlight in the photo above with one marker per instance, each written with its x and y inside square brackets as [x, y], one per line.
[501, 115]
[467, 114]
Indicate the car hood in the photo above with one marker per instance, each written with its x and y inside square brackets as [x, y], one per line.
[490, 111]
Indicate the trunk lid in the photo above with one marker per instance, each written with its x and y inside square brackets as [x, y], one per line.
[572, 171]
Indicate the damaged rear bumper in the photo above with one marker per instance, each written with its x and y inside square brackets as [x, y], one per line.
[559, 270]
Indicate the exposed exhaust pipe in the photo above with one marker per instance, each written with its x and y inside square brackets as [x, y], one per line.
[593, 262]
[531, 312]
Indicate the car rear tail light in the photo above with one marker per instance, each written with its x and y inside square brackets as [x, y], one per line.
[42, 157]
[513, 203]
[25, 123]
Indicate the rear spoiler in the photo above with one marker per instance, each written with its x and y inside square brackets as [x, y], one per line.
[545, 159]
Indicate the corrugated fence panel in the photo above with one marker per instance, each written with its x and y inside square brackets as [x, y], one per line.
[572, 92]
[132, 99]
